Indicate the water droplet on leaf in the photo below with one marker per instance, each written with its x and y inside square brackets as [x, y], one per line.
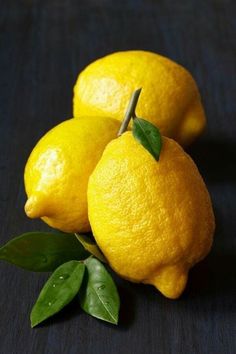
[101, 287]
[63, 276]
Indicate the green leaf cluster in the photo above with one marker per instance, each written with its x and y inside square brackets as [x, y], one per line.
[75, 274]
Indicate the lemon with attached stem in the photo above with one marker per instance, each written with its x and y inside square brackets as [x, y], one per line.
[153, 220]
[170, 97]
[57, 171]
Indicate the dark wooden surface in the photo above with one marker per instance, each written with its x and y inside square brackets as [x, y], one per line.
[43, 46]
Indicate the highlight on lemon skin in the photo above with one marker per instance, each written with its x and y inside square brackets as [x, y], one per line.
[170, 97]
[57, 171]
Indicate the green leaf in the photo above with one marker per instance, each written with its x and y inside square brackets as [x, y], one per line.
[147, 135]
[91, 247]
[42, 251]
[98, 295]
[58, 291]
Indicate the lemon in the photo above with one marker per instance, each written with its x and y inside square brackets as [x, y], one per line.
[57, 171]
[170, 97]
[153, 220]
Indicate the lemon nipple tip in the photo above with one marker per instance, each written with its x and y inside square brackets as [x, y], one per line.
[34, 207]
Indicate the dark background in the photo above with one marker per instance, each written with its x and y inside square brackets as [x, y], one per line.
[43, 46]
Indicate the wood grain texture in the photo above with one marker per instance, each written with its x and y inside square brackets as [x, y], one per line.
[43, 46]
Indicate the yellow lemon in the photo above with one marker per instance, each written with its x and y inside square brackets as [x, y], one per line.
[57, 171]
[170, 97]
[152, 220]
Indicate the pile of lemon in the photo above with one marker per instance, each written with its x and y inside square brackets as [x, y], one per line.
[153, 220]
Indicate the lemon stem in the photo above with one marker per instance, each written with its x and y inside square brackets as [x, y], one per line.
[130, 113]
